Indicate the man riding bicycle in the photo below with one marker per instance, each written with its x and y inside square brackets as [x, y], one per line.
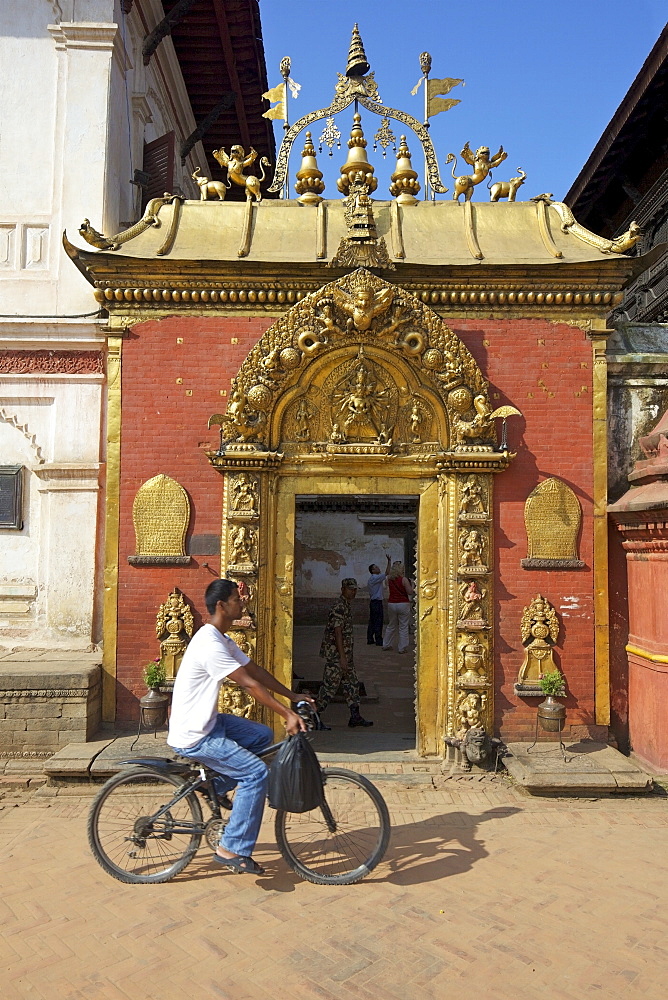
[227, 743]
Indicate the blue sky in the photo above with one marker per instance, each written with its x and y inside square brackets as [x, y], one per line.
[543, 80]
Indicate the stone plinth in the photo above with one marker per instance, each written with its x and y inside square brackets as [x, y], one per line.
[47, 702]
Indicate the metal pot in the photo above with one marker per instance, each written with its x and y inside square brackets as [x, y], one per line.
[153, 708]
[551, 715]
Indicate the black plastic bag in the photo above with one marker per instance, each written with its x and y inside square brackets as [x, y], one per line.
[295, 778]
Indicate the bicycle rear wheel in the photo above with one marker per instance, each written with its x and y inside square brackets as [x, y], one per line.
[342, 841]
[126, 840]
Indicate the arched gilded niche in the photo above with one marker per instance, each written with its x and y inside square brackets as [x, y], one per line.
[426, 382]
[360, 387]
[160, 514]
[552, 518]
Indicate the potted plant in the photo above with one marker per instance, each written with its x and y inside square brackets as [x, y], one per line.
[552, 714]
[154, 704]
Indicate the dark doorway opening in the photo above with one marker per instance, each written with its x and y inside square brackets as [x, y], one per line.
[341, 536]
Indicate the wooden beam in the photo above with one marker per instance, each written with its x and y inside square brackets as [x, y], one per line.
[228, 52]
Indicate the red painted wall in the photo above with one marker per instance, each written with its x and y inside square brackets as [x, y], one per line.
[543, 369]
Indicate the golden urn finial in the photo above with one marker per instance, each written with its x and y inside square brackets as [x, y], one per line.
[309, 184]
[357, 62]
[357, 160]
[405, 184]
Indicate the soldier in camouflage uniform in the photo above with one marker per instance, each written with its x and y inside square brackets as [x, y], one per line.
[337, 651]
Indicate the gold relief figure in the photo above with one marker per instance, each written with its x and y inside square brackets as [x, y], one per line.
[242, 423]
[235, 164]
[360, 405]
[539, 629]
[471, 548]
[244, 643]
[417, 420]
[472, 663]
[478, 428]
[472, 497]
[363, 305]
[471, 604]
[270, 366]
[326, 318]
[470, 709]
[233, 700]
[243, 493]
[208, 187]
[303, 421]
[174, 628]
[481, 162]
[243, 544]
[507, 189]
[247, 595]
[337, 436]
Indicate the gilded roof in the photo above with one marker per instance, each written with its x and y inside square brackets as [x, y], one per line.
[429, 233]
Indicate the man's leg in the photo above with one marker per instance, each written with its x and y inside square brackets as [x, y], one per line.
[351, 690]
[331, 678]
[225, 754]
[371, 627]
[377, 615]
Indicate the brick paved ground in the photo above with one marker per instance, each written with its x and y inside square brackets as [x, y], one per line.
[485, 892]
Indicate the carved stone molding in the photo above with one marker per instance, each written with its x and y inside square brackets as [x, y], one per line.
[14, 362]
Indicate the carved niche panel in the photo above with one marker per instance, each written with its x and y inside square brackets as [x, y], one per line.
[552, 517]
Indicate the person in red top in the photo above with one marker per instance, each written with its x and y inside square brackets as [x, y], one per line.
[398, 608]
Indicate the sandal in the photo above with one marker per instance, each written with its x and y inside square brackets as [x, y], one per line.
[240, 864]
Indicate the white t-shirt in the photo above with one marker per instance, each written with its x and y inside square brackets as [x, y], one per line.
[207, 661]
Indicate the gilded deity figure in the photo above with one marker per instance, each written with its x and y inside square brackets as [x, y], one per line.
[472, 547]
[416, 422]
[244, 493]
[470, 709]
[471, 604]
[242, 539]
[473, 497]
[303, 421]
[360, 406]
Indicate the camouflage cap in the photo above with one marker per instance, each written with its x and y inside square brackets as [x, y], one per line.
[349, 581]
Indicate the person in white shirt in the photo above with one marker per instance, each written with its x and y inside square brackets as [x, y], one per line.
[374, 631]
[226, 743]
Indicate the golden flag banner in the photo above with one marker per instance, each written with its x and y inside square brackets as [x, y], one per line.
[435, 88]
[276, 94]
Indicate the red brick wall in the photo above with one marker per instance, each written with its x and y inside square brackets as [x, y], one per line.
[543, 369]
[162, 430]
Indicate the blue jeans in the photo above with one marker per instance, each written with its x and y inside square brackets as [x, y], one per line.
[230, 748]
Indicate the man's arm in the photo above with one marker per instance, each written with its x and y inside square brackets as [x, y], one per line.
[247, 680]
[338, 636]
[263, 677]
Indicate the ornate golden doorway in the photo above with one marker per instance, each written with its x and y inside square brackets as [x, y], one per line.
[361, 389]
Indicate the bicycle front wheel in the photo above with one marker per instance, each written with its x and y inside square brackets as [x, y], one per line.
[129, 840]
[341, 841]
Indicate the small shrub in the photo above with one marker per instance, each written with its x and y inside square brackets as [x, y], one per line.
[552, 682]
[154, 673]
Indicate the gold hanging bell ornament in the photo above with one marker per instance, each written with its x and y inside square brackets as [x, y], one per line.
[405, 184]
[357, 160]
[357, 61]
[309, 184]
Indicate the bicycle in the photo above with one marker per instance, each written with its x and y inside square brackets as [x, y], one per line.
[138, 837]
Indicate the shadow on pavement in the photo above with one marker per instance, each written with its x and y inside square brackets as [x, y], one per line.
[418, 852]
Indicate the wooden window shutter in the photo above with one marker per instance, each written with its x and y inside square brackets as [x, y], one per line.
[159, 164]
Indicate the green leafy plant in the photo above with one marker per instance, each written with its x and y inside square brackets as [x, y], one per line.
[154, 673]
[552, 682]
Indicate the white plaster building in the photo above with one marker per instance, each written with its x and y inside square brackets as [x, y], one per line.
[77, 107]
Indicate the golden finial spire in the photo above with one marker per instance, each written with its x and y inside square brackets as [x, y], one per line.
[404, 184]
[309, 179]
[357, 160]
[357, 62]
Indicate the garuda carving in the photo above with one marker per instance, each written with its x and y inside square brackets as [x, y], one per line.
[352, 311]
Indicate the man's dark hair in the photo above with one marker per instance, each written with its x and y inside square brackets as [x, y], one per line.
[371, 567]
[218, 590]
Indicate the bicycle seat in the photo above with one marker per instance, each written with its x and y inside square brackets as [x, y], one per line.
[167, 764]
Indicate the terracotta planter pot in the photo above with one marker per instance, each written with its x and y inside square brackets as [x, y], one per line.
[551, 715]
[153, 707]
